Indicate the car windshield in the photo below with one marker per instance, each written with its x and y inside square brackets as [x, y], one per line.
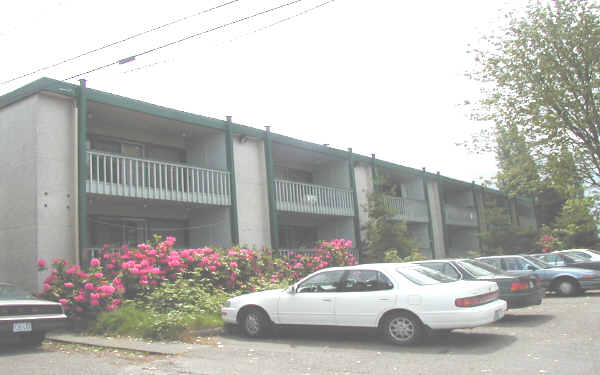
[575, 258]
[537, 262]
[8, 292]
[479, 269]
[424, 276]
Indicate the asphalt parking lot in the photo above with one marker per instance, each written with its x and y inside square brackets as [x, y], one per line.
[561, 336]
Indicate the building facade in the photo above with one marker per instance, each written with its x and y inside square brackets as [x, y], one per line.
[85, 168]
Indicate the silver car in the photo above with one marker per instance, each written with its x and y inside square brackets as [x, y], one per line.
[565, 281]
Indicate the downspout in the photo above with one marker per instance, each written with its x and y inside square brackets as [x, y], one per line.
[429, 224]
[274, 225]
[82, 172]
[476, 204]
[235, 234]
[374, 173]
[354, 201]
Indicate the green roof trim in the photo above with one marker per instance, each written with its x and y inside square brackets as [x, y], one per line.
[65, 88]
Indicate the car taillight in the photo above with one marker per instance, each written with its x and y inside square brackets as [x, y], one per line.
[519, 285]
[476, 300]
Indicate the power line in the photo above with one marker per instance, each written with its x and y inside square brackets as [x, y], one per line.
[133, 57]
[245, 35]
[121, 41]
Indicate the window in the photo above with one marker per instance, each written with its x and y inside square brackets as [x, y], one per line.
[443, 267]
[516, 264]
[496, 262]
[552, 259]
[582, 254]
[322, 283]
[365, 280]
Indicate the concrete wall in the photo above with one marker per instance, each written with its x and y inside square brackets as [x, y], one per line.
[437, 224]
[252, 195]
[333, 173]
[364, 186]
[207, 151]
[37, 197]
[121, 131]
[210, 226]
[462, 198]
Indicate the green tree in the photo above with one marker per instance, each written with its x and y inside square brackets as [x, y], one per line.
[501, 235]
[542, 77]
[576, 226]
[383, 232]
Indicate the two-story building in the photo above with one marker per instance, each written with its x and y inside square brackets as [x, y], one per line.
[84, 168]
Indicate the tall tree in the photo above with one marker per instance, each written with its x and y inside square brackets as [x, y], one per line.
[544, 82]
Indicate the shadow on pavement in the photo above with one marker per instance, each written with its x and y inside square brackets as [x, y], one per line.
[8, 348]
[533, 320]
[460, 341]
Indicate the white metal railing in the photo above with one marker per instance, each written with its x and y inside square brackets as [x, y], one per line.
[285, 253]
[316, 199]
[408, 209]
[464, 216]
[113, 174]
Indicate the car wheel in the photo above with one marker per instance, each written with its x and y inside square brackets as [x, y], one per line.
[566, 287]
[34, 339]
[255, 323]
[402, 329]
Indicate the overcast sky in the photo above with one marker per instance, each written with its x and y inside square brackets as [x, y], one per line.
[380, 76]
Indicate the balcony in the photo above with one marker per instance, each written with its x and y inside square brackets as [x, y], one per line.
[313, 199]
[124, 176]
[463, 216]
[408, 209]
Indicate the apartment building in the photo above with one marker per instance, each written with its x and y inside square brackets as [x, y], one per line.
[85, 168]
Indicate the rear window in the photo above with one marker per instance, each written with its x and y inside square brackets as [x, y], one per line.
[478, 269]
[424, 276]
[8, 292]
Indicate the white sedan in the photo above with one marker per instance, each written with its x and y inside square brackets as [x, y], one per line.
[403, 300]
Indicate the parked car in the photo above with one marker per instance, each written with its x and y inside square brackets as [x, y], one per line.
[592, 255]
[567, 260]
[565, 281]
[25, 317]
[403, 300]
[518, 291]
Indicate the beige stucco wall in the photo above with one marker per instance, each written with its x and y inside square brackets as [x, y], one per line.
[437, 224]
[252, 195]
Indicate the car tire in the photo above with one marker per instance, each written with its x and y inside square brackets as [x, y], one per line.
[566, 287]
[255, 323]
[34, 339]
[402, 329]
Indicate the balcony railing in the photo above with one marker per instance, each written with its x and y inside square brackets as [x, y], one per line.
[315, 199]
[408, 209]
[463, 216]
[125, 176]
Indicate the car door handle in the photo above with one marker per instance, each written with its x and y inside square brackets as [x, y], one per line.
[384, 299]
[326, 299]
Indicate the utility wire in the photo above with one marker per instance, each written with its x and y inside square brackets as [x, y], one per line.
[133, 57]
[121, 41]
[244, 35]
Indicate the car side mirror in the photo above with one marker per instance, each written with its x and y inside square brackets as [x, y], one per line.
[531, 268]
[292, 290]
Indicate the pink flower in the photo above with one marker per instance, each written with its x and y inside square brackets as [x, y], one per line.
[94, 302]
[99, 275]
[212, 268]
[46, 287]
[63, 301]
[41, 263]
[95, 262]
[116, 301]
[233, 264]
[78, 309]
[298, 265]
[111, 307]
[68, 285]
[89, 286]
[94, 295]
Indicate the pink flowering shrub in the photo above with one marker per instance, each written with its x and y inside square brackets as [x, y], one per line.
[82, 294]
[138, 271]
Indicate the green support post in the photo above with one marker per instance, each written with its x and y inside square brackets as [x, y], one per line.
[354, 200]
[235, 234]
[429, 224]
[271, 191]
[82, 172]
[374, 173]
[443, 209]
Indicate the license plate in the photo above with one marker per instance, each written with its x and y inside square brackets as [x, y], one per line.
[498, 314]
[22, 327]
